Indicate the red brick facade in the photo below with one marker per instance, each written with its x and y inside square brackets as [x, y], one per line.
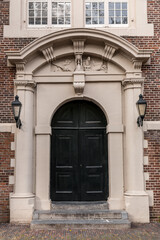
[5, 171]
[153, 168]
[151, 94]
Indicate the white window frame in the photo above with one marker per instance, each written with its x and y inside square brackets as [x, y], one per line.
[106, 14]
[18, 25]
[49, 15]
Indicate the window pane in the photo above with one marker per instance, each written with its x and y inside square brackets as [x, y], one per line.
[60, 6]
[88, 6]
[54, 13]
[101, 5]
[88, 13]
[67, 21]
[118, 5]
[94, 20]
[88, 20]
[54, 20]
[37, 13]
[124, 13]
[111, 20]
[37, 5]
[44, 13]
[67, 9]
[44, 21]
[31, 5]
[54, 5]
[60, 13]
[101, 20]
[101, 13]
[37, 20]
[118, 20]
[31, 21]
[118, 13]
[111, 5]
[95, 13]
[124, 5]
[31, 13]
[94, 5]
[124, 20]
[44, 6]
[61, 20]
[111, 13]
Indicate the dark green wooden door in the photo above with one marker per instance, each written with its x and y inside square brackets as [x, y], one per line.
[79, 169]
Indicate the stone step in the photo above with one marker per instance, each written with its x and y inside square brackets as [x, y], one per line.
[79, 205]
[79, 214]
[81, 224]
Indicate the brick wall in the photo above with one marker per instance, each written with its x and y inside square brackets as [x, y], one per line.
[153, 168]
[5, 171]
[151, 94]
[7, 74]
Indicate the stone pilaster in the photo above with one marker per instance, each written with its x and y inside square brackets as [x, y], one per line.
[136, 199]
[22, 200]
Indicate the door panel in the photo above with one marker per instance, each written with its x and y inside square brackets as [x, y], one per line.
[93, 159]
[64, 153]
[79, 153]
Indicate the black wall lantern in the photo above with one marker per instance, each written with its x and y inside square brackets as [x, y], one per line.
[142, 105]
[16, 107]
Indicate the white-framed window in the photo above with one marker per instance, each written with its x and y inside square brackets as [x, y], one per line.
[49, 13]
[28, 24]
[106, 13]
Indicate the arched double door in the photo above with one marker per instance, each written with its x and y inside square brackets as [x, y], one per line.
[79, 169]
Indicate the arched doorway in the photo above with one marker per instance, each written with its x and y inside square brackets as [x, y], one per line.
[79, 168]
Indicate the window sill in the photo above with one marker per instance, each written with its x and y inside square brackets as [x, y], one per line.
[15, 32]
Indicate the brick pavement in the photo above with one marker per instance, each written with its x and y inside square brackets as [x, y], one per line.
[137, 232]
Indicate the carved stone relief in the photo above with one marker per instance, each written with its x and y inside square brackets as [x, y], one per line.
[95, 64]
[66, 65]
[79, 64]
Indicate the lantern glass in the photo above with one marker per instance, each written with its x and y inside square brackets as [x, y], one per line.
[16, 111]
[142, 109]
[142, 105]
[16, 106]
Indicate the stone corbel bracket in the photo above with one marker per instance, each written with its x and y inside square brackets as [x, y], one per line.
[78, 46]
[79, 82]
[109, 51]
[20, 70]
[48, 54]
[137, 64]
[78, 76]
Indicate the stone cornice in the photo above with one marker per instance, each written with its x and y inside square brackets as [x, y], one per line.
[131, 81]
[76, 34]
[25, 83]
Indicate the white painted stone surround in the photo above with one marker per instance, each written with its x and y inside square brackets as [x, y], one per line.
[137, 26]
[42, 89]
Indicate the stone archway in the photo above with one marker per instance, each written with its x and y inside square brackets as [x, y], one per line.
[71, 64]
